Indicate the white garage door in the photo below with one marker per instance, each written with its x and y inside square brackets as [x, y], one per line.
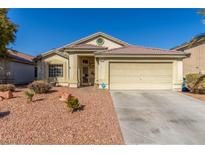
[134, 76]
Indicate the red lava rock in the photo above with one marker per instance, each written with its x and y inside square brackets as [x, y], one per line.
[46, 121]
[1, 98]
[65, 96]
[6, 94]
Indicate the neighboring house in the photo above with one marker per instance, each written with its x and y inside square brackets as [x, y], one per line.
[110, 63]
[196, 62]
[18, 68]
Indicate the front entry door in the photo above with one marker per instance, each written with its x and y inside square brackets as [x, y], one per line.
[85, 76]
[87, 71]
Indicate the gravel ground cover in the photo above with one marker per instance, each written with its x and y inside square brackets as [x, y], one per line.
[197, 96]
[46, 120]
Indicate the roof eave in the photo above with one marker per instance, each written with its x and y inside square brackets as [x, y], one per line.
[23, 62]
[143, 55]
[70, 49]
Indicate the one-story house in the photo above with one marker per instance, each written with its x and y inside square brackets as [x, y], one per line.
[110, 63]
[17, 68]
[195, 63]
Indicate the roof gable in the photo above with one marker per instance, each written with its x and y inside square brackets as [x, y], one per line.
[86, 41]
[109, 41]
[195, 41]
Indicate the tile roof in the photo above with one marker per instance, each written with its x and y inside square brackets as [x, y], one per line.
[140, 50]
[85, 46]
[95, 35]
[194, 41]
[20, 56]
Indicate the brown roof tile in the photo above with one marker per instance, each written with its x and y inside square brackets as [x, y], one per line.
[20, 56]
[139, 50]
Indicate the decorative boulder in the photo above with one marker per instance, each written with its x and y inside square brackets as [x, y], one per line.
[6, 94]
[65, 96]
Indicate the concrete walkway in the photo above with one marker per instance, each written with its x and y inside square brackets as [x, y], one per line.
[159, 117]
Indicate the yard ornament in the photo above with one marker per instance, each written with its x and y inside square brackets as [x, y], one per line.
[103, 85]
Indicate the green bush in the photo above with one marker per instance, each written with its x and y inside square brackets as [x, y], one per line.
[29, 94]
[7, 87]
[196, 83]
[40, 87]
[191, 80]
[200, 85]
[73, 104]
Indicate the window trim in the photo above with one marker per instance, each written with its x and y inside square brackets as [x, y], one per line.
[54, 74]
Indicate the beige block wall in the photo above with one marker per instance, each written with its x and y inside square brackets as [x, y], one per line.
[53, 59]
[196, 62]
[103, 70]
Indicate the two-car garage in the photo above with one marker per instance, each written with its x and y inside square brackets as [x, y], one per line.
[140, 68]
[138, 76]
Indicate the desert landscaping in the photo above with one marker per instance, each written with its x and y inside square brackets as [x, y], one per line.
[47, 120]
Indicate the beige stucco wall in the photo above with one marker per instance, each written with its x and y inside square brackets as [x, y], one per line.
[107, 43]
[71, 76]
[72, 68]
[96, 69]
[177, 74]
[103, 70]
[73, 59]
[75, 68]
[54, 59]
[196, 62]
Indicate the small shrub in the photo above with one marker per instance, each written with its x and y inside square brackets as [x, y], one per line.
[200, 85]
[196, 83]
[7, 87]
[29, 94]
[40, 87]
[191, 80]
[73, 104]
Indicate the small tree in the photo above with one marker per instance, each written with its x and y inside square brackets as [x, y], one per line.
[29, 95]
[7, 32]
[202, 12]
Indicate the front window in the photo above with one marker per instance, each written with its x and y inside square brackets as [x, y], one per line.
[56, 70]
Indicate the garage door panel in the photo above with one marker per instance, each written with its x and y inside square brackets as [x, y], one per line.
[144, 80]
[131, 76]
[139, 87]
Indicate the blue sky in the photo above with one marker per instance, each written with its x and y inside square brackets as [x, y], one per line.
[43, 29]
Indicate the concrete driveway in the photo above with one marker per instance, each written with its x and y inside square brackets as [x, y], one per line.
[160, 117]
